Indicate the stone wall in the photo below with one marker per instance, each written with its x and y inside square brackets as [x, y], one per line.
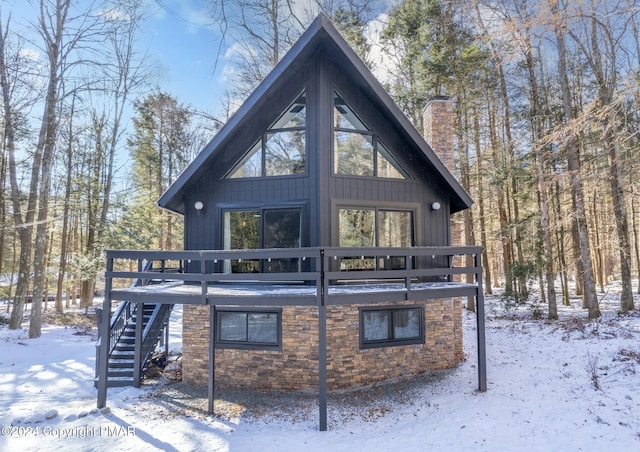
[438, 129]
[296, 365]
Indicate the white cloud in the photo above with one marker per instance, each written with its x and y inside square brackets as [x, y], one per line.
[114, 14]
[30, 54]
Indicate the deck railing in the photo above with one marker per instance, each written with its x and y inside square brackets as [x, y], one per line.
[314, 266]
[432, 271]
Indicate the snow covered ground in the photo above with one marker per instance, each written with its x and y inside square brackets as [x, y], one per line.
[568, 385]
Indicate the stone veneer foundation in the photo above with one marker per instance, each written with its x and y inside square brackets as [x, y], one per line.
[295, 367]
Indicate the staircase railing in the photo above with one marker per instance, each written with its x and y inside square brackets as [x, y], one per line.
[152, 331]
[127, 310]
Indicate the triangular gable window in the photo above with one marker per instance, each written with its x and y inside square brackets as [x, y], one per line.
[357, 150]
[281, 151]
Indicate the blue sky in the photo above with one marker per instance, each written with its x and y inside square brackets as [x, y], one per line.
[183, 47]
[179, 43]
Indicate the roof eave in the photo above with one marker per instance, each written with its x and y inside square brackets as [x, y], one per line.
[171, 199]
[369, 83]
[319, 29]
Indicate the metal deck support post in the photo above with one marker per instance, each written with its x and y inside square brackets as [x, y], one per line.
[480, 328]
[105, 326]
[137, 357]
[322, 345]
[166, 338]
[212, 357]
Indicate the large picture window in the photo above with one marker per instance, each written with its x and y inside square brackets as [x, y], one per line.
[374, 227]
[357, 150]
[281, 151]
[391, 326]
[258, 229]
[250, 329]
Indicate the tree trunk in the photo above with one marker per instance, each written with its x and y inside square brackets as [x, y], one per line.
[611, 144]
[636, 236]
[560, 235]
[599, 263]
[620, 213]
[42, 230]
[538, 149]
[488, 284]
[505, 234]
[23, 225]
[576, 183]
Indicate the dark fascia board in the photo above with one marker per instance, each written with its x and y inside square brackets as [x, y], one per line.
[321, 31]
[172, 197]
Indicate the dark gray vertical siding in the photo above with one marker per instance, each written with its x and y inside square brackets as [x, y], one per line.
[422, 190]
[252, 193]
[311, 226]
[324, 140]
[318, 188]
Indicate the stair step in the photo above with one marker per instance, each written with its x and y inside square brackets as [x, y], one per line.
[121, 354]
[120, 383]
[116, 383]
[120, 368]
[119, 373]
[121, 363]
[125, 347]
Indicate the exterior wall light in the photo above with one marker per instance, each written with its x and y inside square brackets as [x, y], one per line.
[199, 206]
[435, 205]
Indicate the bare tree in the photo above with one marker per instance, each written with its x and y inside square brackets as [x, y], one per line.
[10, 80]
[58, 42]
[600, 36]
[123, 74]
[524, 32]
[573, 160]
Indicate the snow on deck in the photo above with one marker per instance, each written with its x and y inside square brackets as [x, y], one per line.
[260, 289]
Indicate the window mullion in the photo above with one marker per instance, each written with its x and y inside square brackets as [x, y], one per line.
[263, 164]
[374, 141]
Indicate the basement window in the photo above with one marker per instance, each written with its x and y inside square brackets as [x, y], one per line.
[255, 329]
[387, 327]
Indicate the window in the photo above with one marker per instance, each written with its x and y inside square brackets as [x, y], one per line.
[262, 228]
[281, 151]
[391, 326]
[357, 150]
[374, 227]
[254, 329]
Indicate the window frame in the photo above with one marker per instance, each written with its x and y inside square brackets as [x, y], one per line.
[378, 148]
[259, 147]
[260, 209]
[392, 342]
[248, 345]
[350, 204]
[413, 208]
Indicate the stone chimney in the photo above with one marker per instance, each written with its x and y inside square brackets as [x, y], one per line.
[438, 129]
[438, 133]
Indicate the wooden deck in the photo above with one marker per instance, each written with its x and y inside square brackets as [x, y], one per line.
[323, 279]
[291, 294]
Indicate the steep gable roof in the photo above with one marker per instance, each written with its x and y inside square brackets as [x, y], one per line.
[321, 33]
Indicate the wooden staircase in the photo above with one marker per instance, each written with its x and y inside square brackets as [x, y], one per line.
[120, 370]
[121, 367]
[125, 353]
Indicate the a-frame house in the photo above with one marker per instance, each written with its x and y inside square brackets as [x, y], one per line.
[317, 237]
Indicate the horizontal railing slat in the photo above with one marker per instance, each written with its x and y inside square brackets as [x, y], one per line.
[316, 265]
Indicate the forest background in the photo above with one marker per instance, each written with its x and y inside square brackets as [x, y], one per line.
[546, 111]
